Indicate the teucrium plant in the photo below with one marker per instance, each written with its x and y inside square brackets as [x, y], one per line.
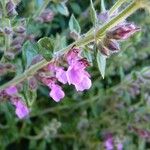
[67, 65]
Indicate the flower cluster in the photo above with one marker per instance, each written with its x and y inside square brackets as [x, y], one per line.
[73, 73]
[122, 31]
[21, 108]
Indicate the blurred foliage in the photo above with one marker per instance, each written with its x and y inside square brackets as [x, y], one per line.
[80, 121]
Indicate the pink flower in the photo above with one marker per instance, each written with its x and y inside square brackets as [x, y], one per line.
[56, 92]
[109, 142]
[73, 55]
[85, 84]
[119, 146]
[61, 75]
[77, 75]
[22, 110]
[12, 90]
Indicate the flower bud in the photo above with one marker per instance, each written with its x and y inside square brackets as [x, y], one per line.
[10, 8]
[10, 55]
[46, 16]
[17, 48]
[10, 67]
[17, 40]
[112, 45]
[2, 69]
[74, 35]
[3, 95]
[32, 83]
[123, 32]
[8, 30]
[20, 30]
[104, 50]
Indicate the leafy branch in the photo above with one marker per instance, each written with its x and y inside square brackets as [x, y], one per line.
[84, 40]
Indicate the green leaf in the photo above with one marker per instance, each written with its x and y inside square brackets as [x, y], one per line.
[59, 42]
[93, 14]
[29, 96]
[87, 54]
[74, 25]
[45, 48]
[103, 6]
[101, 61]
[19, 66]
[76, 8]
[62, 8]
[28, 53]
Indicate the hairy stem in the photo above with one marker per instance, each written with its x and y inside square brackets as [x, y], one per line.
[116, 6]
[81, 42]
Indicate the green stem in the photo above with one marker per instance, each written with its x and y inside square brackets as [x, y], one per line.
[118, 19]
[81, 42]
[116, 6]
[112, 10]
[3, 3]
[30, 72]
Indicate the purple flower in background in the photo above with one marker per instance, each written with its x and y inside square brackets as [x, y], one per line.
[119, 146]
[22, 110]
[12, 90]
[109, 142]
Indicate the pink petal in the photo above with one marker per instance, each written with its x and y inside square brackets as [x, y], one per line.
[109, 144]
[73, 56]
[74, 76]
[119, 146]
[11, 90]
[61, 75]
[22, 110]
[85, 84]
[56, 93]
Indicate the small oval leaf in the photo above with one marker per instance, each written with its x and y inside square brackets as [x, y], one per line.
[101, 61]
[29, 51]
[46, 47]
[74, 25]
[62, 8]
[93, 14]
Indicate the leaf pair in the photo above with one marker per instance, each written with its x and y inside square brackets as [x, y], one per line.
[44, 47]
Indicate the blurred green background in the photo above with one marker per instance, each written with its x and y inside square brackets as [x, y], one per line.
[118, 104]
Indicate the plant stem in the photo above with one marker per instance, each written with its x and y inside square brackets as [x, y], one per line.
[121, 17]
[81, 42]
[30, 72]
[116, 6]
